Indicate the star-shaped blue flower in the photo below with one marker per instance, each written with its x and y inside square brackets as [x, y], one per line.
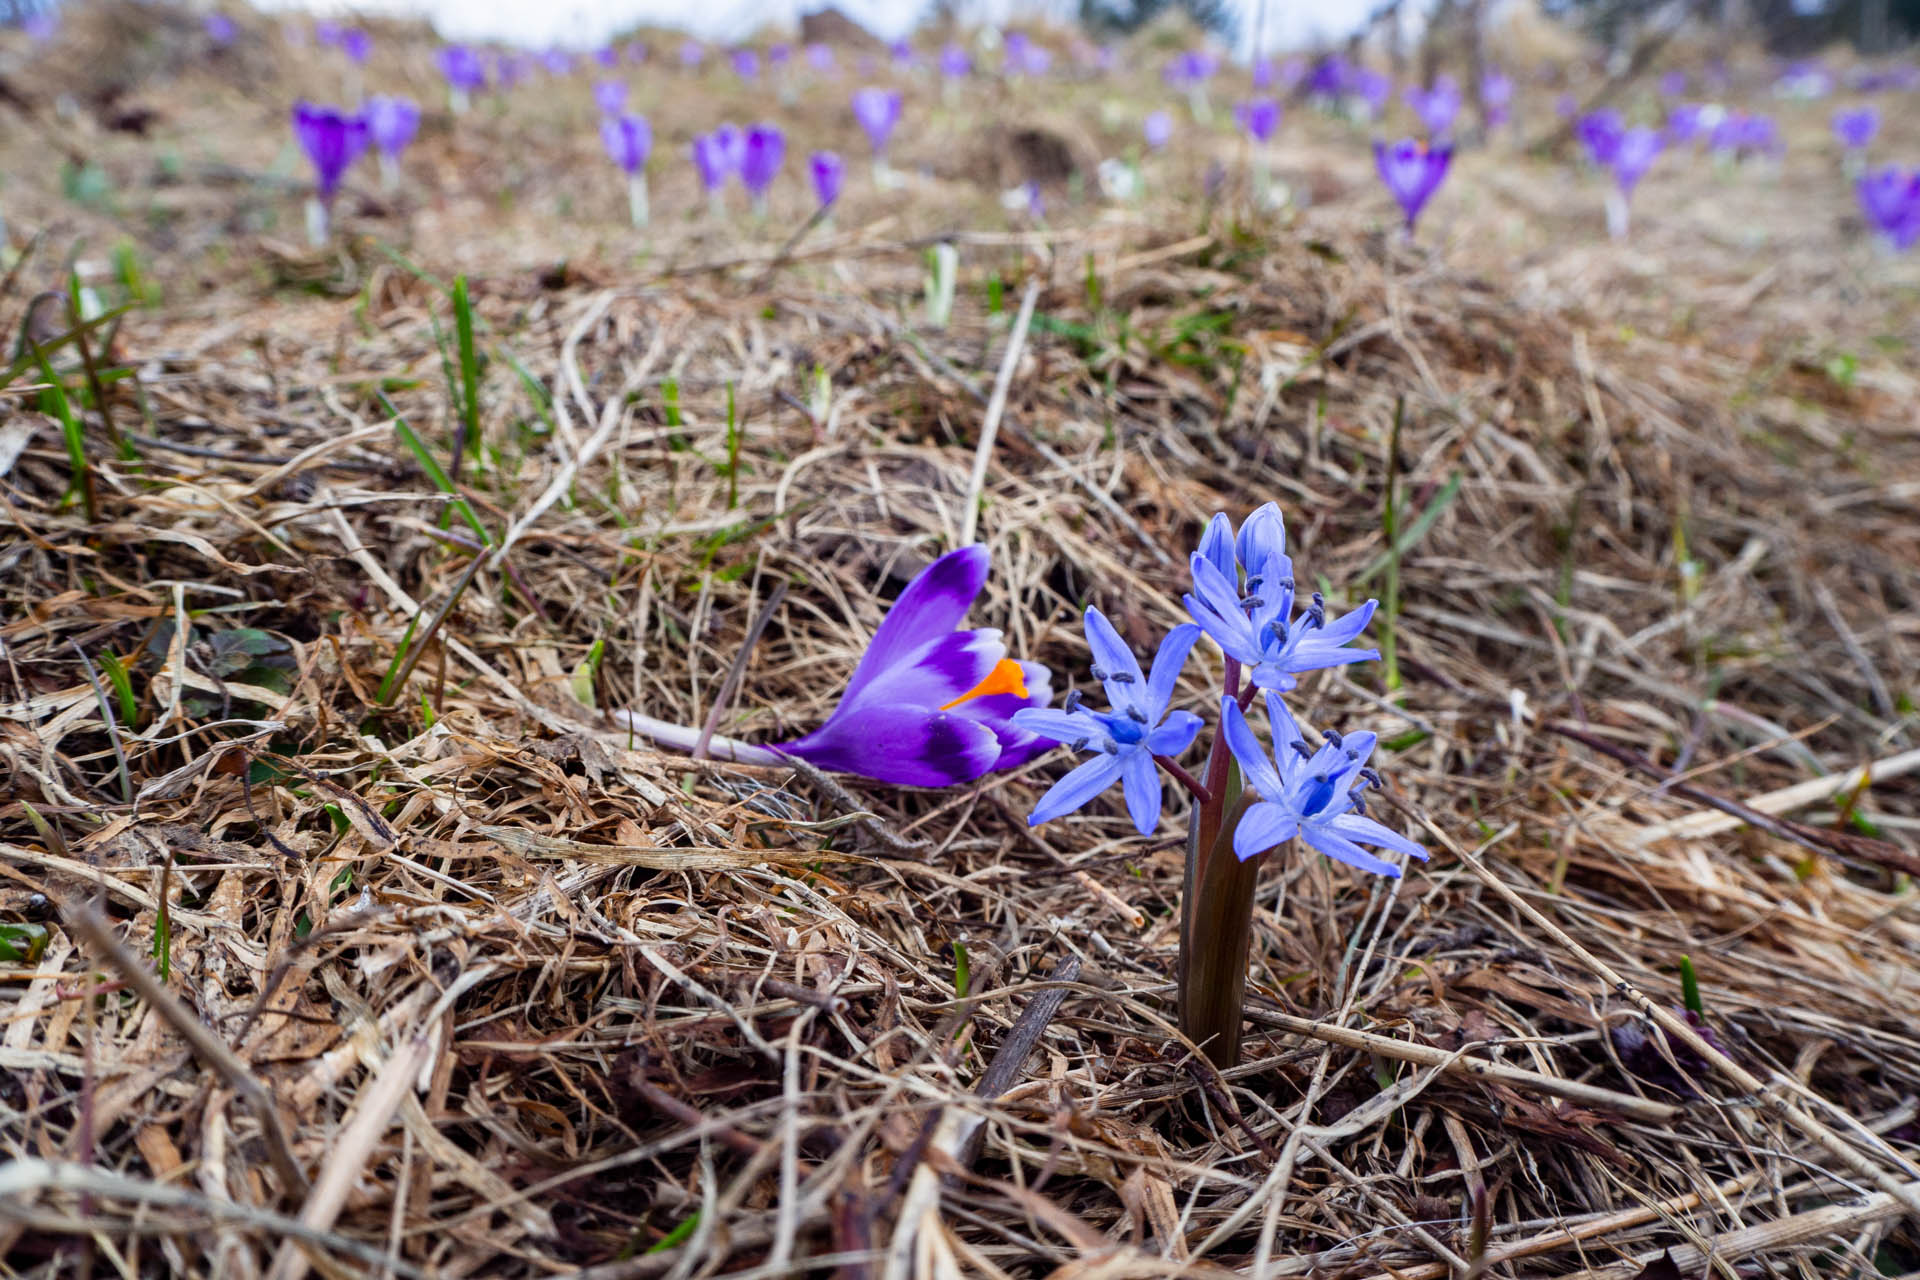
[1254, 624]
[1313, 794]
[1136, 728]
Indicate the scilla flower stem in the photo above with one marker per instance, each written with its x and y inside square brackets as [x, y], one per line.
[1216, 926]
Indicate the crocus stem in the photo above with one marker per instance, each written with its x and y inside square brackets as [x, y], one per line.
[457, 101]
[1616, 213]
[317, 222]
[389, 172]
[717, 202]
[637, 198]
[682, 737]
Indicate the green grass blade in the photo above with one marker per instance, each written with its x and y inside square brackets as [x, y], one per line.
[469, 374]
[437, 474]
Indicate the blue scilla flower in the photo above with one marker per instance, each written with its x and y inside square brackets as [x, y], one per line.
[1254, 623]
[1136, 727]
[1314, 794]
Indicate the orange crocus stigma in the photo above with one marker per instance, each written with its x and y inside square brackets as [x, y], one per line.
[1006, 677]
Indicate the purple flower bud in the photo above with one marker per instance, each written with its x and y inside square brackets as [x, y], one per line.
[746, 64]
[954, 63]
[1685, 122]
[391, 123]
[692, 54]
[780, 54]
[357, 45]
[610, 96]
[1262, 75]
[558, 62]
[219, 28]
[1855, 129]
[820, 58]
[712, 158]
[1412, 172]
[1890, 199]
[332, 140]
[901, 51]
[628, 140]
[878, 111]
[1260, 118]
[607, 56]
[829, 175]
[462, 68]
[327, 33]
[1600, 132]
[764, 152]
[1157, 128]
[636, 52]
[1375, 88]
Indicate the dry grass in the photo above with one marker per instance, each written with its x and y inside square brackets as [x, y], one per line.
[523, 995]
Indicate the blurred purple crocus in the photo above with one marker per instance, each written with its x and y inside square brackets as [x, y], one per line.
[713, 157]
[1740, 135]
[901, 51]
[1263, 75]
[610, 96]
[829, 174]
[391, 126]
[954, 63]
[1673, 83]
[1633, 155]
[1374, 88]
[557, 62]
[1412, 171]
[357, 45]
[1260, 118]
[820, 58]
[764, 152]
[1890, 199]
[1157, 129]
[1599, 132]
[746, 64]
[1686, 122]
[42, 26]
[878, 111]
[692, 54]
[333, 140]
[1330, 78]
[1496, 98]
[465, 73]
[628, 140]
[1437, 106]
[607, 56]
[779, 54]
[1856, 128]
[220, 29]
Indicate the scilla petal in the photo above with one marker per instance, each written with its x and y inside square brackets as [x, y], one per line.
[1262, 827]
[1074, 790]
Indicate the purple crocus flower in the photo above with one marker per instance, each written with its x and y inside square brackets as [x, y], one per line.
[901, 51]
[327, 33]
[557, 63]
[1496, 98]
[692, 54]
[746, 64]
[391, 123]
[42, 26]
[829, 175]
[1673, 84]
[636, 52]
[1259, 117]
[357, 45]
[1136, 727]
[1313, 794]
[1157, 129]
[779, 54]
[628, 140]
[1262, 75]
[1855, 129]
[1254, 624]
[1373, 88]
[332, 139]
[509, 69]
[820, 58]
[713, 157]
[760, 160]
[954, 63]
[1741, 135]
[1437, 106]
[610, 96]
[1633, 155]
[931, 704]
[1686, 122]
[1890, 199]
[1330, 78]
[219, 28]
[1600, 132]
[463, 70]
[1412, 172]
[607, 56]
[878, 111]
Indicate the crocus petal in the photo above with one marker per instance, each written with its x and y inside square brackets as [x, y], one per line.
[937, 673]
[1358, 828]
[996, 711]
[1167, 662]
[1119, 669]
[1216, 544]
[1074, 790]
[1175, 735]
[1140, 780]
[1246, 748]
[1341, 849]
[904, 745]
[933, 604]
[1262, 827]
